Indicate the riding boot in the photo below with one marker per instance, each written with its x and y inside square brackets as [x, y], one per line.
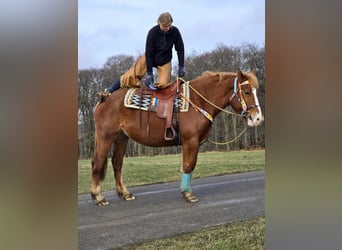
[148, 82]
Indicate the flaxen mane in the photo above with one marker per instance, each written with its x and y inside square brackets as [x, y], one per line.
[223, 75]
[253, 80]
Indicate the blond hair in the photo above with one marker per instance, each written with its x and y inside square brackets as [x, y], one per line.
[165, 19]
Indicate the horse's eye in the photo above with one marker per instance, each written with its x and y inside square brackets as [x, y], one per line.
[247, 93]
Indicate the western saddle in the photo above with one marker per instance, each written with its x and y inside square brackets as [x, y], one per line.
[165, 108]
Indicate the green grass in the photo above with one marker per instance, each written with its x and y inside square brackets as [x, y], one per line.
[249, 234]
[165, 168]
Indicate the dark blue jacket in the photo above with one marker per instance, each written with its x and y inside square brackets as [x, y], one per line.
[159, 44]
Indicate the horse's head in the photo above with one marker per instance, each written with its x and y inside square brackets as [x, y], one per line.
[244, 98]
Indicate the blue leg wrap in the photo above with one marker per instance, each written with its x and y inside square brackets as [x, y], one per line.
[185, 184]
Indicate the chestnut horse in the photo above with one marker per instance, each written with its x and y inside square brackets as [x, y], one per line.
[211, 92]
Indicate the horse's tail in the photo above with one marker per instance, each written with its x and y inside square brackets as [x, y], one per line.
[103, 170]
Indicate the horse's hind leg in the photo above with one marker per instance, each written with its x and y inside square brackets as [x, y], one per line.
[120, 145]
[99, 167]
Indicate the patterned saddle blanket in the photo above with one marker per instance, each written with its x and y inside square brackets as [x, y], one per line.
[134, 100]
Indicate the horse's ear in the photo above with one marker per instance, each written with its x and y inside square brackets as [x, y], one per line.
[253, 72]
[239, 75]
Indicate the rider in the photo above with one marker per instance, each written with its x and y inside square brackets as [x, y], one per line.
[158, 53]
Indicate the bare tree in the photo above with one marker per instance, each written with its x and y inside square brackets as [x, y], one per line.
[89, 83]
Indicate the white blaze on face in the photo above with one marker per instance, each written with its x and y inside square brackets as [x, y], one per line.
[257, 118]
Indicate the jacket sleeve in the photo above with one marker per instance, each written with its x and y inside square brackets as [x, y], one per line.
[149, 51]
[179, 46]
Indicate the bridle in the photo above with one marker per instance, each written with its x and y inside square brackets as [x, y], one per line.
[240, 95]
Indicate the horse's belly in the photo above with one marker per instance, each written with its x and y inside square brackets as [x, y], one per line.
[149, 137]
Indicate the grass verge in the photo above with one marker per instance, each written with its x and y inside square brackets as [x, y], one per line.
[249, 234]
[165, 168]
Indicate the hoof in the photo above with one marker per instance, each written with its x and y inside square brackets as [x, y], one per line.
[127, 197]
[101, 202]
[190, 197]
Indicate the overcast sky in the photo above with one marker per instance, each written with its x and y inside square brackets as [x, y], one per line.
[113, 27]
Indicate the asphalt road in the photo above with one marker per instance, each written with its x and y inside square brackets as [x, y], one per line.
[160, 210]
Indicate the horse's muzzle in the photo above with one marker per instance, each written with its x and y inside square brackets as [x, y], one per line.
[254, 119]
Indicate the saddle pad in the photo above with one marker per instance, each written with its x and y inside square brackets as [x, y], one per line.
[133, 100]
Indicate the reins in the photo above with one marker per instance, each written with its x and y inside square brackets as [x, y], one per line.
[231, 141]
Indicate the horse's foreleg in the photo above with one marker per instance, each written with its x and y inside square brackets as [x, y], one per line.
[185, 183]
[190, 151]
[120, 145]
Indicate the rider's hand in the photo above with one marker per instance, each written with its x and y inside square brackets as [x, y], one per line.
[181, 71]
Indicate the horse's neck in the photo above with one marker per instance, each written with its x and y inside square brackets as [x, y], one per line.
[215, 91]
